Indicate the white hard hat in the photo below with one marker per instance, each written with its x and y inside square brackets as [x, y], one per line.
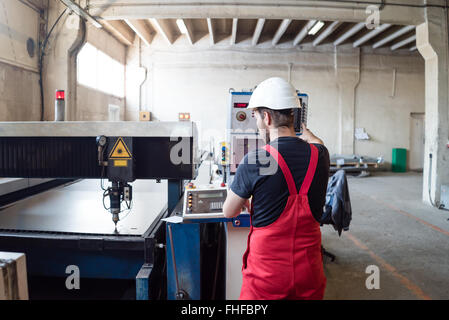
[274, 93]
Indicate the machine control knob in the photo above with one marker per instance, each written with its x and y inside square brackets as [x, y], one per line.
[241, 116]
[191, 185]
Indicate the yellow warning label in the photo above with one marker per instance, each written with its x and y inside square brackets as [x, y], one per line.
[120, 150]
[120, 163]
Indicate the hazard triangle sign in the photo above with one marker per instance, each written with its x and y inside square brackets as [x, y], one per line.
[120, 150]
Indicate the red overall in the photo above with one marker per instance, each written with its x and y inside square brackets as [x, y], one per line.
[283, 260]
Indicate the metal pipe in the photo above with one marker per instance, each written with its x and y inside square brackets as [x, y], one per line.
[81, 12]
[290, 66]
[41, 63]
[72, 81]
[217, 263]
[146, 72]
[170, 235]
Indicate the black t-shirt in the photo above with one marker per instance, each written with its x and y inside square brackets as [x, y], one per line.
[258, 175]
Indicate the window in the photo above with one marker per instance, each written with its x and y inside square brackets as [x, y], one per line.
[99, 71]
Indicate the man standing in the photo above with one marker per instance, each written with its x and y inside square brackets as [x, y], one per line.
[283, 256]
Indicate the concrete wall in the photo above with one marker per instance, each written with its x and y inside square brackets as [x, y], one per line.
[196, 80]
[19, 77]
[60, 68]
[19, 88]
[19, 94]
[383, 105]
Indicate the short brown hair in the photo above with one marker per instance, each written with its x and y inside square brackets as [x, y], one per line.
[281, 118]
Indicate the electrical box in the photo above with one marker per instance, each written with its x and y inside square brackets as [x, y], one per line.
[120, 159]
[144, 116]
[242, 126]
[204, 203]
[240, 118]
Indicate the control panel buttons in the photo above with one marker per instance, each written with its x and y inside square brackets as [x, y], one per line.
[204, 201]
[241, 116]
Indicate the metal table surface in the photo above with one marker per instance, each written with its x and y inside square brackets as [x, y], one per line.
[78, 208]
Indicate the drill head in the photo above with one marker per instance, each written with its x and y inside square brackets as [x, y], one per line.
[115, 218]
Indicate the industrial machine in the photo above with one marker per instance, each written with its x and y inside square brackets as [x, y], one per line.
[191, 263]
[138, 171]
[68, 225]
[242, 128]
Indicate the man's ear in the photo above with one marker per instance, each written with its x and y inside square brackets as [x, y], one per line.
[267, 118]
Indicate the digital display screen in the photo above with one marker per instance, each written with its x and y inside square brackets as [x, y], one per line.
[240, 105]
[207, 195]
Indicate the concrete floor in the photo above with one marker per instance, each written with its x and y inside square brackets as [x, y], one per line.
[393, 229]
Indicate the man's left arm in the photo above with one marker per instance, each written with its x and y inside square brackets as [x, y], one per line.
[317, 191]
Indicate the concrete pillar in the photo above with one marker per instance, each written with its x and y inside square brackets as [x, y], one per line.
[347, 73]
[59, 72]
[432, 43]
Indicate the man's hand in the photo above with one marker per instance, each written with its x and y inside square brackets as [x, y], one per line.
[309, 137]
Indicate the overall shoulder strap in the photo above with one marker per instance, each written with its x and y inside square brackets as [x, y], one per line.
[310, 170]
[283, 165]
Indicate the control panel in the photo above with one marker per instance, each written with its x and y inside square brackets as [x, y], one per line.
[301, 114]
[204, 203]
[242, 126]
[242, 119]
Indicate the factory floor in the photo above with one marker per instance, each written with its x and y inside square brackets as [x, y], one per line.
[394, 230]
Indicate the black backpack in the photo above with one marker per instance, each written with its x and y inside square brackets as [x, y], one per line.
[337, 209]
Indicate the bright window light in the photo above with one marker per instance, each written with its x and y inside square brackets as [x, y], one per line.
[317, 27]
[99, 71]
[181, 26]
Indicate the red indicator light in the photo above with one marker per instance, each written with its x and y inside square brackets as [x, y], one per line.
[240, 105]
[60, 95]
[185, 116]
